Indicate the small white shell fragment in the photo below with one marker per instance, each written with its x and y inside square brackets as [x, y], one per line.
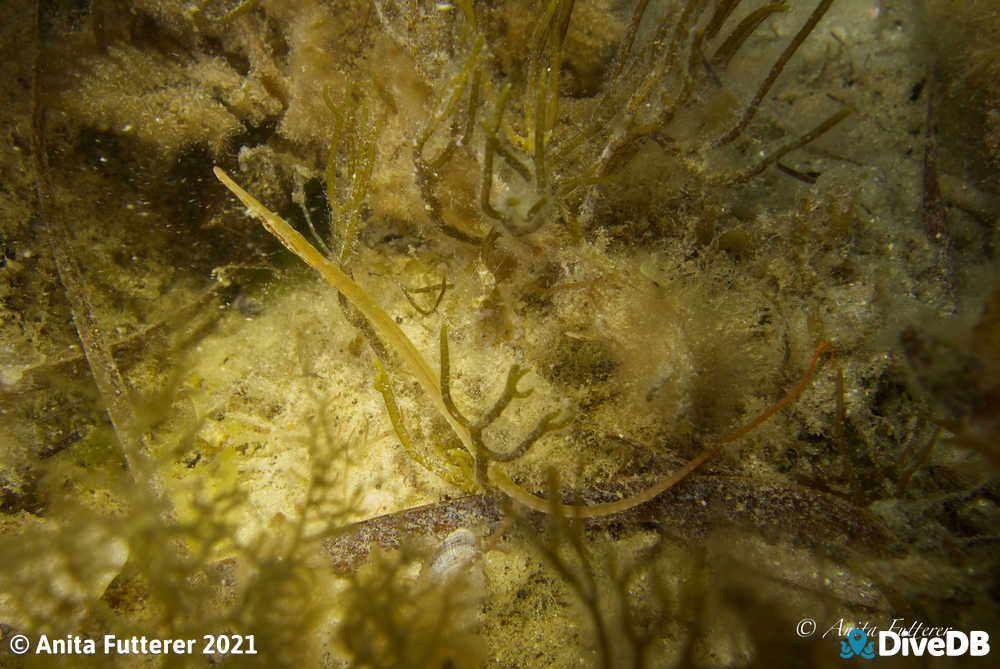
[455, 554]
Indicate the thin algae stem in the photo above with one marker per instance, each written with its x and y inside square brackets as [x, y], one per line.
[776, 70]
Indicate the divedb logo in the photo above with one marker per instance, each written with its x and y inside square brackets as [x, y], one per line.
[951, 643]
[975, 643]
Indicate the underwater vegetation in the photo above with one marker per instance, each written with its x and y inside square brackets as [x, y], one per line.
[643, 331]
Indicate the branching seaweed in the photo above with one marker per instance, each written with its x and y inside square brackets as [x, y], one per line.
[538, 164]
[470, 433]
